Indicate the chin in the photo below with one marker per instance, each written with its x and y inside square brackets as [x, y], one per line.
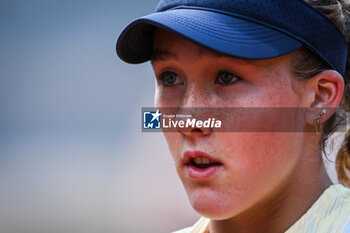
[212, 211]
[211, 205]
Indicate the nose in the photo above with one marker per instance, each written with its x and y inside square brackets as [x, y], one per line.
[195, 103]
[194, 131]
[195, 96]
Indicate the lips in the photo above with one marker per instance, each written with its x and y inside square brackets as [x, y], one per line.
[196, 155]
[200, 165]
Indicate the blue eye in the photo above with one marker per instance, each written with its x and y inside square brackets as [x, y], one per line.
[226, 78]
[170, 79]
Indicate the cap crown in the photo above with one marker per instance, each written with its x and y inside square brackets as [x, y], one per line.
[292, 17]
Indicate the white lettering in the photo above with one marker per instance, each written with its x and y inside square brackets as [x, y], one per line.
[218, 124]
[199, 124]
[209, 123]
[190, 123]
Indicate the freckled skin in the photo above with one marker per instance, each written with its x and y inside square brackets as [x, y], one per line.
[257, 166]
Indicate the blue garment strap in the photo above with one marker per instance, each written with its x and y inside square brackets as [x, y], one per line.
[294, 18]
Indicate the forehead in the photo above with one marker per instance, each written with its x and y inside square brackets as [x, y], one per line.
[167, 41]
[168, 45]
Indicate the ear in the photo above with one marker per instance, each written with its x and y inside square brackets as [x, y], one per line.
[323, 91]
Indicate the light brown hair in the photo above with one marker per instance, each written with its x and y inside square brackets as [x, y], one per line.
[307, 64]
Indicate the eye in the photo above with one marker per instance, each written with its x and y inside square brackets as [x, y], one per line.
[170, 79]
[226, 78]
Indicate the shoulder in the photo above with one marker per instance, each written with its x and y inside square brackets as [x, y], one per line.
[330, 213]
[341, 208]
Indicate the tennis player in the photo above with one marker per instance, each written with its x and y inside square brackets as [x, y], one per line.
[243, 54]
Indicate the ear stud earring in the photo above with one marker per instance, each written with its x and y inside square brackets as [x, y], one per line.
[318, 124]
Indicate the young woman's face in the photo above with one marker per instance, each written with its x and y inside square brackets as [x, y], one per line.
[252, 166]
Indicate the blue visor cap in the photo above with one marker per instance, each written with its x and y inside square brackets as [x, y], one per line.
[248, 29]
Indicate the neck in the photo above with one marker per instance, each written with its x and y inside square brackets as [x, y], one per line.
[285, 205]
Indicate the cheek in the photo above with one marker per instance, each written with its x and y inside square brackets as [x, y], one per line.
[259, 153]
[256, 165]
[174, 141]
[270, 90]
[168, 96]
[278, 91]
[157, 99]
[275, 97]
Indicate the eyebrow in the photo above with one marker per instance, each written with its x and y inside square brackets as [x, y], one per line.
[163, 54]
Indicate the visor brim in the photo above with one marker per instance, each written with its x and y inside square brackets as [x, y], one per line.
[222, 33]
